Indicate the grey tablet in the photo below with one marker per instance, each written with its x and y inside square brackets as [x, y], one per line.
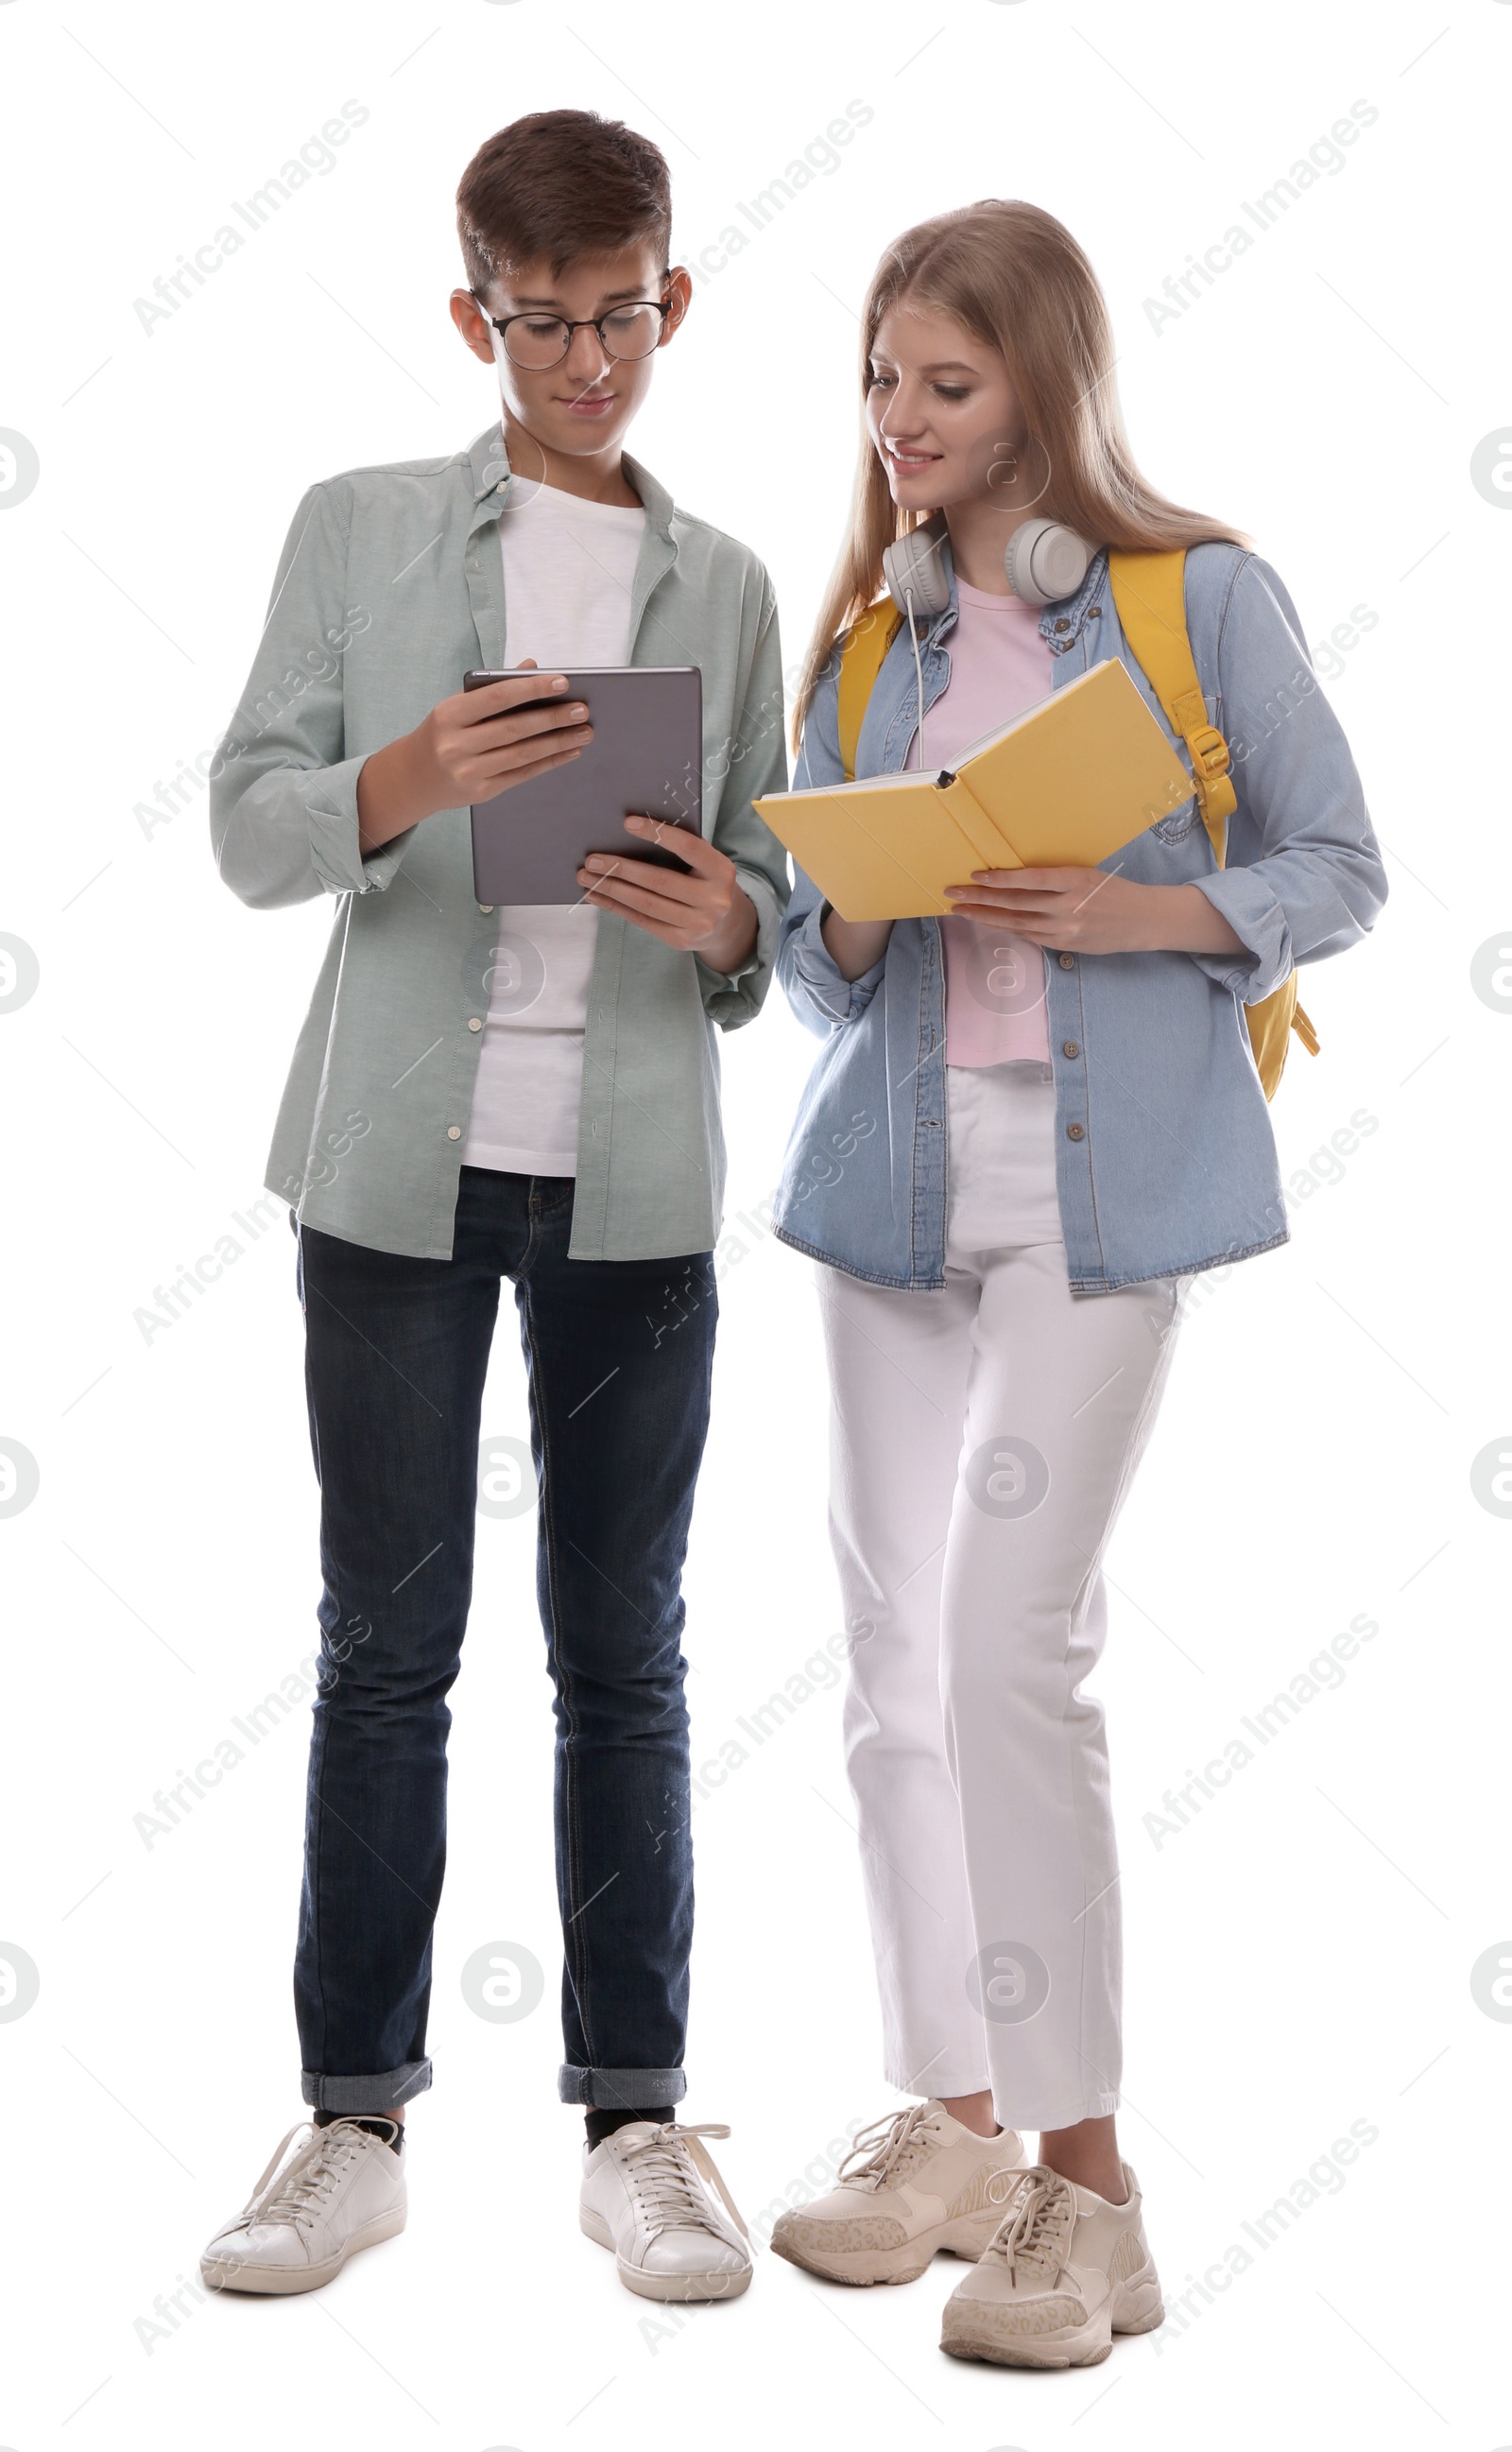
[646, 758]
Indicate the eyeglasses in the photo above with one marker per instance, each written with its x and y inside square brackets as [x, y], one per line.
[541, 341]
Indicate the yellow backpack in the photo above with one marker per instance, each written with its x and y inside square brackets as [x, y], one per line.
[1148, 593]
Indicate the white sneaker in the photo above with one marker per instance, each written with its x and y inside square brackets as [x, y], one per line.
[920, 2181]
[651, 2192]
[1066, 2272]
[342, 2189]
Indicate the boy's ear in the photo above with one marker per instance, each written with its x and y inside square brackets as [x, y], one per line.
[680, 290]
[472, 322]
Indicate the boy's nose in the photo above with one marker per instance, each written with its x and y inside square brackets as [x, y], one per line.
[587, 359]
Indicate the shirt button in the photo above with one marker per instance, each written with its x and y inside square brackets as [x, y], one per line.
[485, 906]
[1067, 962]
[473, 1022]
[1068, 1047]
[1073, 1132]
[1063, 623]
[454, 1131]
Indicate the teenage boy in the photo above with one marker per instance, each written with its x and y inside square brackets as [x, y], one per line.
[529, 1092]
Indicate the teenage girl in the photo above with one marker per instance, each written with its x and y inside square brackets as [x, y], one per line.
[1029, 1123]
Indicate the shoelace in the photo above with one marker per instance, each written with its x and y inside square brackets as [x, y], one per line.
[891, 2146]
[300, 2191]
[1036, 2231]
[666, 2181]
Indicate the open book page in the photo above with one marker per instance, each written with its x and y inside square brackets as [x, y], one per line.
[983, 740]
[881, 782]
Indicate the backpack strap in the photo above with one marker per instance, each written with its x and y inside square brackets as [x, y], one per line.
[1149, 593]
[861, 661]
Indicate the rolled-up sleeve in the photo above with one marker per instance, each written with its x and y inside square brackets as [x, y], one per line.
[816, 987]
[757, 764]
[283, 791]
[1306, 878]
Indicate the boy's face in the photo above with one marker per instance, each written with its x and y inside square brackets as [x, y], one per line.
[584, 405]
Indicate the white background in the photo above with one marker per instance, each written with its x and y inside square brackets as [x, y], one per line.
[1299, 1955]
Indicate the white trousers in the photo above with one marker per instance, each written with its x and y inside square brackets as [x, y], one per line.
[983, 1438]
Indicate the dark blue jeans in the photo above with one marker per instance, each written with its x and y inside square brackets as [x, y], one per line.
[619, 1356]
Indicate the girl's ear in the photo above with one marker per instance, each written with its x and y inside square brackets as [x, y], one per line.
[679, 289]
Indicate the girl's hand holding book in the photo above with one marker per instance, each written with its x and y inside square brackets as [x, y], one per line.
[1095, 911]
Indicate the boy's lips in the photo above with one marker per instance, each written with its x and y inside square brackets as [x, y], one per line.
[589, 404]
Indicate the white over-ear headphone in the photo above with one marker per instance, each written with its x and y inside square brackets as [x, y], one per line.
[914, 571]
[1043, 562]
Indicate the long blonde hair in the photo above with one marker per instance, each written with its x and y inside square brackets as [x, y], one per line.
[1015, 278]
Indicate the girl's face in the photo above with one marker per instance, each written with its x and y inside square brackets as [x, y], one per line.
[942, 412]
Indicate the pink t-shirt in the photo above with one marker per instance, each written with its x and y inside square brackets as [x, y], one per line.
[995, 982]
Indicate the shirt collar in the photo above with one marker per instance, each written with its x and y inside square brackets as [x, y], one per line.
[1062, 623]
[492, 478]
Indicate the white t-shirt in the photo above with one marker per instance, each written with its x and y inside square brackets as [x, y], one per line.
[568, 570]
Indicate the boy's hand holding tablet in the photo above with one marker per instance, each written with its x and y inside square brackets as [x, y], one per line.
[701, 910]
[495, 734]
[468, 748]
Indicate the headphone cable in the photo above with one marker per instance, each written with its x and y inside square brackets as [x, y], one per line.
[918, 671]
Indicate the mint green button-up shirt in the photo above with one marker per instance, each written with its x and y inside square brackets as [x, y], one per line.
[388, 590]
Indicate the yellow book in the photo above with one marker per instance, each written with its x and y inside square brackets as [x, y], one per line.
[1064, 785]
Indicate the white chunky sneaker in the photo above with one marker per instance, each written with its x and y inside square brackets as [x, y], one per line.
[1065, 2273]
[651, 2192]
[915, 2182]
[341, 2189]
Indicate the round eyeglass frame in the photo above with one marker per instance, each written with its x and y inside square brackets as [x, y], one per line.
[584, 324]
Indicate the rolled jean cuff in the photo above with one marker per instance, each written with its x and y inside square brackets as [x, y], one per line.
[620, 2089]
[366, 2094]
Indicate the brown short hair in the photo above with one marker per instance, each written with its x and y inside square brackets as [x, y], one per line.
[560, 183]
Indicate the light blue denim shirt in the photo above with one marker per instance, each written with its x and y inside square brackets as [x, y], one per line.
[1165, 1156]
